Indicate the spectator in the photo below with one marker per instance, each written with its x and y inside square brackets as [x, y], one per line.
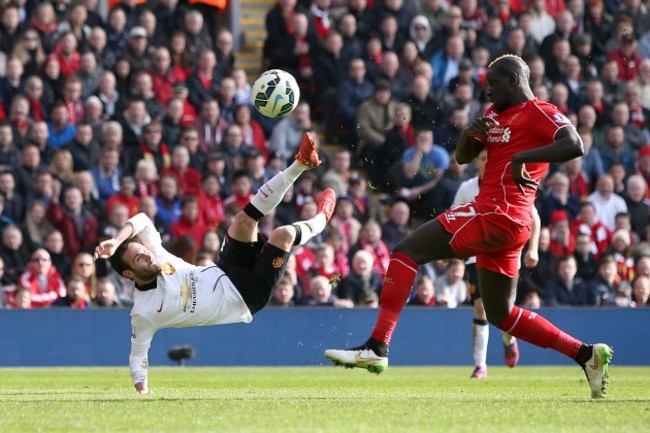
[578, 184]
[447, 63]
[323, 265]
[395, 229]
[13, 83]
[14, 255]
[61, 168]
[9, 155]
[284, 293]
[374, 119]
[143, 88]
[352, 92]
[77, 224]
[84, 181]
[83, 266]
[320, 291]
[187, 178]
[589, 224]
[22, 299]
[106, 294]
[567, 289]
[14, 203]
[424, 107]
[210, 202]
[75, 295]
[425, 293]
[42, 279]
[608, 282]
[211, 245]
[106, 174]
[421, 34]
[35, 226]
[640, 292]
[370, 240]
[287, 134]
[621, 250]
[210, 125]
[61, 130]
[168, 202]
[38, 102]
[361, 281]
[636, 205]
[252, 132]
[84, 149]
[606, 203]
[53, 244]
[125, 197]
[190, 222]
[559, 199]
[20, 118]
[397, 140]
[587, 265]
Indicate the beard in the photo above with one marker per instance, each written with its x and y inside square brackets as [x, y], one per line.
[149, 273]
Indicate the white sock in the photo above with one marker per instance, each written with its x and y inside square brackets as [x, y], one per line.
[270, 194]
[508, 339]
[311, 227]
[480, 337]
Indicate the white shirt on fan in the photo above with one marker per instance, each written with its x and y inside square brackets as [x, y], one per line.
[185, 296]
[467, 191]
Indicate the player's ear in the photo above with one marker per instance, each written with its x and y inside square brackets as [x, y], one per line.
[128, 274]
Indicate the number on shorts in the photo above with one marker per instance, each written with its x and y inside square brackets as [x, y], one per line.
[471, 212]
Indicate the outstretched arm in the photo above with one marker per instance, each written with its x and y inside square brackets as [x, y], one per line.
[133, 227]
[142, 332]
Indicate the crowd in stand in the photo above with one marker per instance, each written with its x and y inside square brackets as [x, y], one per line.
[147, 111]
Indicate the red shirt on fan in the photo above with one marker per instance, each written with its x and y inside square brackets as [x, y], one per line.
[531, 124]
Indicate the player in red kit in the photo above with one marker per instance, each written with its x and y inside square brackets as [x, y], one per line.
[522, 136]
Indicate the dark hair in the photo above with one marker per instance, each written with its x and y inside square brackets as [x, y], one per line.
[117, 261]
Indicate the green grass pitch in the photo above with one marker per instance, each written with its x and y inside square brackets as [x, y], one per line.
[322, 399]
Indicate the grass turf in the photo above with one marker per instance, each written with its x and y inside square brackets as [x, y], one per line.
[526, 399]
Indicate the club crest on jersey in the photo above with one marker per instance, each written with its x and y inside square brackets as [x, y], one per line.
[167, 269]
[277, 262]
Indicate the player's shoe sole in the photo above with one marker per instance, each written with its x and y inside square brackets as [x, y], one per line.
[326, 203]
[597, 370]
[308, 151]
[358, 358]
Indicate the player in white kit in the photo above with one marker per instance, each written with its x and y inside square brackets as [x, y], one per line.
[466, 193]
[172, 293]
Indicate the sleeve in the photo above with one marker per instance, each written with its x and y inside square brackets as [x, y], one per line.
[548, 121]
[143, 228]
[142, 332]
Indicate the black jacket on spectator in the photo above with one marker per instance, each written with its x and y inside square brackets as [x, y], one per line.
[426, 114]
[8, 91]
[15, 207]
[25, 180]
[16, 262]
[587, 266]
[62, 263]
[198, 93]
[10, 158]
[639, 216]
[581, 294]
[328, 72]
[83, 157]
[392, 234]
[352, 48]
[354, 287]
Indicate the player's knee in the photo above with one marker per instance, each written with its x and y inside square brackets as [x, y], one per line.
[243, 220]
[284, 235]
[496, 316]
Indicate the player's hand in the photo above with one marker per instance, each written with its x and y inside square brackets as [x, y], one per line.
[531, 259]
[142, 388]
[106, 249]
[481, 126]
[522, 178]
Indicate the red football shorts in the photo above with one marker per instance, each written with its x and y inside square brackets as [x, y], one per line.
[494, 237]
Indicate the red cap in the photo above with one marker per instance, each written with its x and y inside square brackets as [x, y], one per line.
[559, 215]
[644, 151]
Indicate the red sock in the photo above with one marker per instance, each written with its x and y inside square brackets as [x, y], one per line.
[535, 329]
[400, 277]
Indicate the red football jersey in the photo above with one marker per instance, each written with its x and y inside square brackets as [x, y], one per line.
[525, 126]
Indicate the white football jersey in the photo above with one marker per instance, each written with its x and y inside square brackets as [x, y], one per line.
[186, 295]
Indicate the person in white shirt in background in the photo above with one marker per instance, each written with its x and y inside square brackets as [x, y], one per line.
[480, 329]
[172, 293]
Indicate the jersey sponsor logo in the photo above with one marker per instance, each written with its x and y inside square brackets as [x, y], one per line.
[188, 293]
[500, 135]
[167, 269]
[560, 118]
[277, 262]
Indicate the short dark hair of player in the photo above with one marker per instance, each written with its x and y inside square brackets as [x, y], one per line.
[117, 261]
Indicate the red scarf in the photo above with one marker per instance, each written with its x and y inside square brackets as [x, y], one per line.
[53, 290]
[36, 110]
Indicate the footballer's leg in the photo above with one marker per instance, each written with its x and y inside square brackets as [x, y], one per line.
[480, 337]
[274, 255]
[498, 294]
[244, 227]
[427, 243]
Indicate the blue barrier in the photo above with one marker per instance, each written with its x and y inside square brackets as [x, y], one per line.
[283, 337]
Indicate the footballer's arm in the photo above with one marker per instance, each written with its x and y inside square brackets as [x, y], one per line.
[471, 141]
[567, 146]
[142, 332]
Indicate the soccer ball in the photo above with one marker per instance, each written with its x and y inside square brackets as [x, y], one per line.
[275, 93]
